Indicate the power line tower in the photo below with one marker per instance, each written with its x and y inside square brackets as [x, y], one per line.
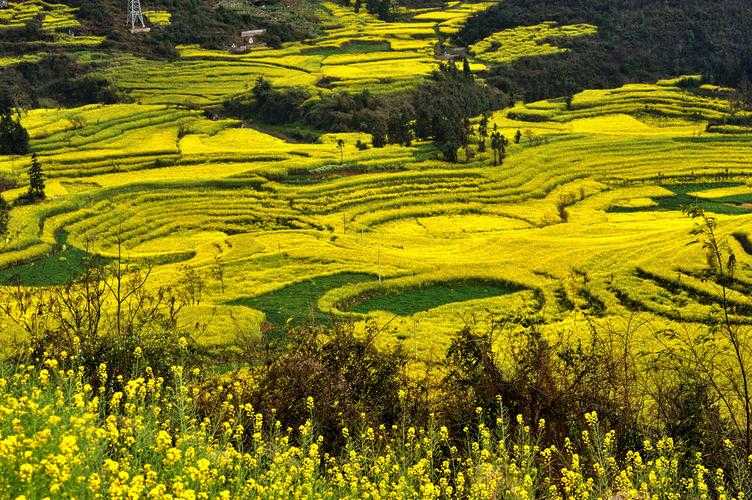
[136, 17]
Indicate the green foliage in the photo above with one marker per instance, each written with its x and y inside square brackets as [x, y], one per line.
[445, 102]
[277, 106]
[729, 205]
[296, 303]
[61, 78]
[14, 139]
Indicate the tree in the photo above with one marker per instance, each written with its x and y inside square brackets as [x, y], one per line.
[483, 132]
[276, 106]
[495, 147]
[374, 122]
[466, 68]
[218, 272]
[722, 265]
[4, 216]
[384, 10]
[517, 136]
[502, 148]
[499, 147]
[341, 147]
[14, 139]
[444, 103]
[358, 4]
[400, 118]
[36, 179]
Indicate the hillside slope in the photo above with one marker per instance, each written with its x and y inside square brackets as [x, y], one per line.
[636, 41]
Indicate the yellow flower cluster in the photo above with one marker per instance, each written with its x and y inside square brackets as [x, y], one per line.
[61, 438]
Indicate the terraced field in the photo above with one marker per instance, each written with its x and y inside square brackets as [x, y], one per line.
[582, 218]
[527, 41]
[55, 16]
[58, 23]
[356, 51]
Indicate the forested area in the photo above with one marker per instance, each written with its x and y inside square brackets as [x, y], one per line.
[637, 41]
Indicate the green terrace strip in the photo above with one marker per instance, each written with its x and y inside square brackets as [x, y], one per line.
[61, 265]
[406, 301]
[298, 302]
[687, 194]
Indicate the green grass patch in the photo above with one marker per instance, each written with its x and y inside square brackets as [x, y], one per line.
[410, 300]
[62, 265]
[726, 205]
[296, 303]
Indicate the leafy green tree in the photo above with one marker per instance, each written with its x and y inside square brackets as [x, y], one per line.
[517, 136]
[36, 180]
[502, 148]
[384, 10]
[400, 123]
[380, 8]
[443, 105]
[276, 106]
[374, 122]
[14, 139]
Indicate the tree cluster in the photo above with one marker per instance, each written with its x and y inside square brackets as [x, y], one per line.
[444, 105]
[388, 119]
[383, 9]
[440, 110]
[58, 79]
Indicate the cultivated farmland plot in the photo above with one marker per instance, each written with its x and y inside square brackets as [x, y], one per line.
[582, 219]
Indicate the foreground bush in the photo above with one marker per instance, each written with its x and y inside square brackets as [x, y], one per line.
[60, 438]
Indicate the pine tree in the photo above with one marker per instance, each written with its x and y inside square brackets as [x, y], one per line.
[4, 216]
[503, 142]
[341, 147]
[36, 179]
[483, 132]
[495, 146]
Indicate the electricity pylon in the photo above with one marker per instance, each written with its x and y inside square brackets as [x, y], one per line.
[136, 17]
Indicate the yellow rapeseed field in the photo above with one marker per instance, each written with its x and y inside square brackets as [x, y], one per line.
[590, 198]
